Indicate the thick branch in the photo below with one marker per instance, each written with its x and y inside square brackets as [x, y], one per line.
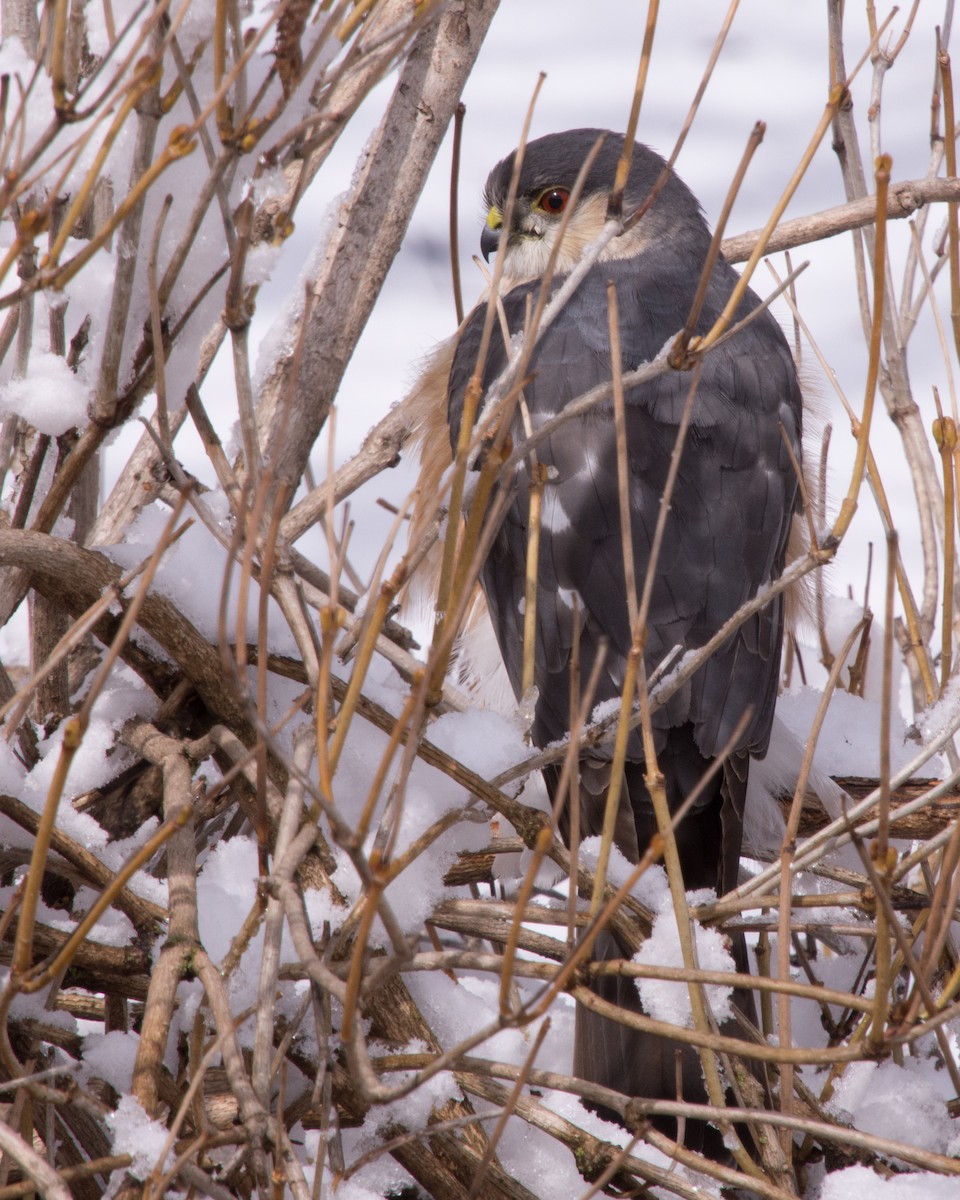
[76, 578]
[372, 223]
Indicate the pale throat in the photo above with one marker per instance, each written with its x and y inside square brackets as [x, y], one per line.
[528, 252]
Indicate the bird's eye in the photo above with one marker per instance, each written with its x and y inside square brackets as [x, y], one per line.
[553, 201]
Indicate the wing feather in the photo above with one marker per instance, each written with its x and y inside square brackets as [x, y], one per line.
[730, 514]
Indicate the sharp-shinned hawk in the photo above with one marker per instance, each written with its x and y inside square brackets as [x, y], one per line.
[726, 533]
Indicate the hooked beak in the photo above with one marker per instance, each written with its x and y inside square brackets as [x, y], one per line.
[490, 238]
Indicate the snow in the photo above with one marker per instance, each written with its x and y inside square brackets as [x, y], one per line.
[110, 1056]
[51, 398]
[277, 341]
[193, 570]
[904, 1103]
[460, 1009]
[849, 743]
[486, 742]
[16, 63]
[227, 884]
[31, 1006]
[535, 1159]
[97, 31]
[412, 1111]
[619, 868]
[860, 1183]
[670, 1001]
[841, 616]
[135, 1134]
[651, 889]
[371, 1182]
[96, 762]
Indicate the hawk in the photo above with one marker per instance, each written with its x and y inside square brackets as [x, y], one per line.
[726, 534]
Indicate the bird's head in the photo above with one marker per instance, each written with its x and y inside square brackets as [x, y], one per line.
[548, 176]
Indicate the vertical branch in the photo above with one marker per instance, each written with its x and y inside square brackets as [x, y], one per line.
[623, 462]
[849, 505]
[893, 379]
[237, 314]
[538, 479]
[156, 330]
[945, 435]
[615, 203]
[787, 854]
[128, 245]
[953, 225]
[458, 116]
[58, 50]
[473, 395]
[883, 854]
[224, 116]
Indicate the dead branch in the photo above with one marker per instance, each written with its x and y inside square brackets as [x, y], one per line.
[903, 200]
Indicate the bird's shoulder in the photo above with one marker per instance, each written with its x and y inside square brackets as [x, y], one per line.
[751, 374]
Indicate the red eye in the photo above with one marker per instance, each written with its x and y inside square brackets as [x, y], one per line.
[553, 201]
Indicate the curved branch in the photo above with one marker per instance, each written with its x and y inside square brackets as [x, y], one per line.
[75, 578]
